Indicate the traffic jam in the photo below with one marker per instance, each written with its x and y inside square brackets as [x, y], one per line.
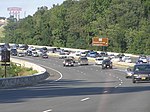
[75, 57]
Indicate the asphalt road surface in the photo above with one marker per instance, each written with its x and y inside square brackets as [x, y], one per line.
[77, 89]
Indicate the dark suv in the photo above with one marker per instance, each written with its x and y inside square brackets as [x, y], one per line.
[107, 64]
[140, 72]
[68, 62]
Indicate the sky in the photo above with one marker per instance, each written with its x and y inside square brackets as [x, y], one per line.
[29, 7]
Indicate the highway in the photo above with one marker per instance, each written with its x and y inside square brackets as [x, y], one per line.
[77, 89]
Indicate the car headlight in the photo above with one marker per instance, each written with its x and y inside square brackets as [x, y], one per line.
[135, 75]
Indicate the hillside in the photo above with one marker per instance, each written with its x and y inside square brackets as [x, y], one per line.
[74, 23]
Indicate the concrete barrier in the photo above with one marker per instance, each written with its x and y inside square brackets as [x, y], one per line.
[25, 80]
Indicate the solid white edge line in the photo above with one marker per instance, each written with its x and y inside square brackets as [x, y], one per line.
[55, 71]
[50, 110]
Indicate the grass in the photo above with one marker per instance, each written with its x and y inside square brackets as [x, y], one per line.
[1, 32]
[14, 71]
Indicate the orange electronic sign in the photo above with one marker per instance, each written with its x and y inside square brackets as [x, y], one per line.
[96, 41]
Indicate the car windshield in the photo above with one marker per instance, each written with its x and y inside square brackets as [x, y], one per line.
[142, 68]
[106, 61]
[68, 60]
[83, 58]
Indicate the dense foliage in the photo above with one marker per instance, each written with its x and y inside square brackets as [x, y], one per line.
[73, 24]
[13, 70]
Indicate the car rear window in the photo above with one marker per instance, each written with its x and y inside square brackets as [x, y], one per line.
[142, 68]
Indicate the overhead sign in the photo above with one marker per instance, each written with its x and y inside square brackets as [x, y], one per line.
[96, 41]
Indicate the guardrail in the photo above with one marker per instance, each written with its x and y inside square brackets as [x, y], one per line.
[24, 80]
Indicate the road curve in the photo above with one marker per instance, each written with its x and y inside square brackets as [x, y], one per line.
[77, 89]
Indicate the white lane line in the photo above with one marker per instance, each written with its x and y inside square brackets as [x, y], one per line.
[61, 76]
[50, 110]
[84, 99]
[105, 92]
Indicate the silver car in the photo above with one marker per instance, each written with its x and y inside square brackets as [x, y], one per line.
[83, 61]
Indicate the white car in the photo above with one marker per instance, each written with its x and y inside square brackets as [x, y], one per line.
[21, 54]
[143, 59]
[126, 59]
[35, 54]
[62, 55]
[99, 60]
[115, 59]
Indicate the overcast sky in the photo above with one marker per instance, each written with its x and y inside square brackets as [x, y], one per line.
[29, 7]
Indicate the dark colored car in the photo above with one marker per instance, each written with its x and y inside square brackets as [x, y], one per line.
[44, 55]
[140, 72]
[29, 53]
[68, 62]
[13, 52]
[107, 64]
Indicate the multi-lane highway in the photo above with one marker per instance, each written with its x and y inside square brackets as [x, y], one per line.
[77, 89]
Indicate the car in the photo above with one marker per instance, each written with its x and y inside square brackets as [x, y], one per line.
[126, 59]
[44, 55]
[99, 60]
[29, 53]
[83, 54]
[83, 61]
[93, 54]
[13, 52]
[140, 72]
[62, 55]
[68, 62]
[21, 54]
[116, 59]
[129, 73]
[143, 59]
[107, 63]
[35, 54]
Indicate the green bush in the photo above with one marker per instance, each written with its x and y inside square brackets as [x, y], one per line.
[13, 70]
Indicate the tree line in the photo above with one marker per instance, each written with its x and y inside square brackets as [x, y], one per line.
[74, 23]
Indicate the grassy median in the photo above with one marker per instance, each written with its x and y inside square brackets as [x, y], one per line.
[14, 70]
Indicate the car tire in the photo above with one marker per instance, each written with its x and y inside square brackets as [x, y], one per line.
[127, 77]
[134, 81]
[103, 67]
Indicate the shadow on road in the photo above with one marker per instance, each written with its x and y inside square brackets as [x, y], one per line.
[63, 88]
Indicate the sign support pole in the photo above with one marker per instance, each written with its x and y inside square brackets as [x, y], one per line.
[5, 70]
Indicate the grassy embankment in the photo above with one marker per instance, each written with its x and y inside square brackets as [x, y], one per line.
[14, 70]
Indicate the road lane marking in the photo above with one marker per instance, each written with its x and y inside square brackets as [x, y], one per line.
[50, 110]
[84, 99]
[61, 76]
[105, 92]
